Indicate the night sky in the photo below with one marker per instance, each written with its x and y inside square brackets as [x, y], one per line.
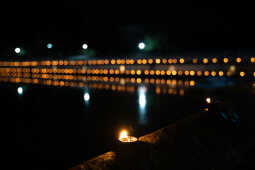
[179, 26]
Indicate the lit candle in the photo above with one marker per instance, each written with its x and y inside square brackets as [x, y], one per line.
[124, 137]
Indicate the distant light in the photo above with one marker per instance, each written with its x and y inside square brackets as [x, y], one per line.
[85, 46]
[141, 46]
[181, 60]
[49, 46]
[238, 60]
[20, 90]
[225, 60]
[17, 50]
[242, 74]
[205, 60]
[86, 97]
[208, 100]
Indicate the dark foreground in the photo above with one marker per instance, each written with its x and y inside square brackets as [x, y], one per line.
[202, 141]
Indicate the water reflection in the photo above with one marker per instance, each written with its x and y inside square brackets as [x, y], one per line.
[20, 90]
[142, 105]
[86, 97]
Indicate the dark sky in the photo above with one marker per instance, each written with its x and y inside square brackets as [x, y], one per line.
[182, 24]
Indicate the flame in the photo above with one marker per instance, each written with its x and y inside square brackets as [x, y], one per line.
[123, 134]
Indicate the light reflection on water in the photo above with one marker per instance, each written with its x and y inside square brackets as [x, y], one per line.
[142, 105]
[86, 97]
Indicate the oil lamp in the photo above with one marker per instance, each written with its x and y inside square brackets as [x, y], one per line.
[125, 138]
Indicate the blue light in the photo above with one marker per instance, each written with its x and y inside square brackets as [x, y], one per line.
[20, 90]
[49, 46]
[86, 97]
[142, 105]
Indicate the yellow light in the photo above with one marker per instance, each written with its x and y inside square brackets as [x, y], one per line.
[152, 72]
[242, 74]
[174, 73]
[213, 73]
[254, 74]
[113, 62]
[253, 59]
[158, 72]
[208, 100]
[186, 73]
[168, 72]
[181, 60]
[133, 72]
[205, 60]
[125, 138]
[174, 61]
[170, 61]
[139, 61]
[221, 73]
[150, 61]
[144, 61]
[199, 73]
[192, 73]
[164, 61]
[162, 72]
[192, 83]
[138, 72]
[146, 72]
[225, 60]
[158, 61]
[238, 60]
[122, 68]
[206, 73]
[214, 60]
[123, 134]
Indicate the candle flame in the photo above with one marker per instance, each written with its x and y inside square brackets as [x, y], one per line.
[123, 134]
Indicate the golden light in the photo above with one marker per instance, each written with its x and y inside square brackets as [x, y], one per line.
[125, 138]
[225, 60]
[186, 73]
[238, 60]
[208, 100]
[164, 61]
[221, 73]
[192, 83]
[174, 73]
[150, 61]
[205, 60]
[253, 59]
[242, 74]
[254, 74]
[181, 60]
[122, 68]
[199, 73]
[158, 61]
[213, 73]
[192, 73]
[206, 73]
[214, 60]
